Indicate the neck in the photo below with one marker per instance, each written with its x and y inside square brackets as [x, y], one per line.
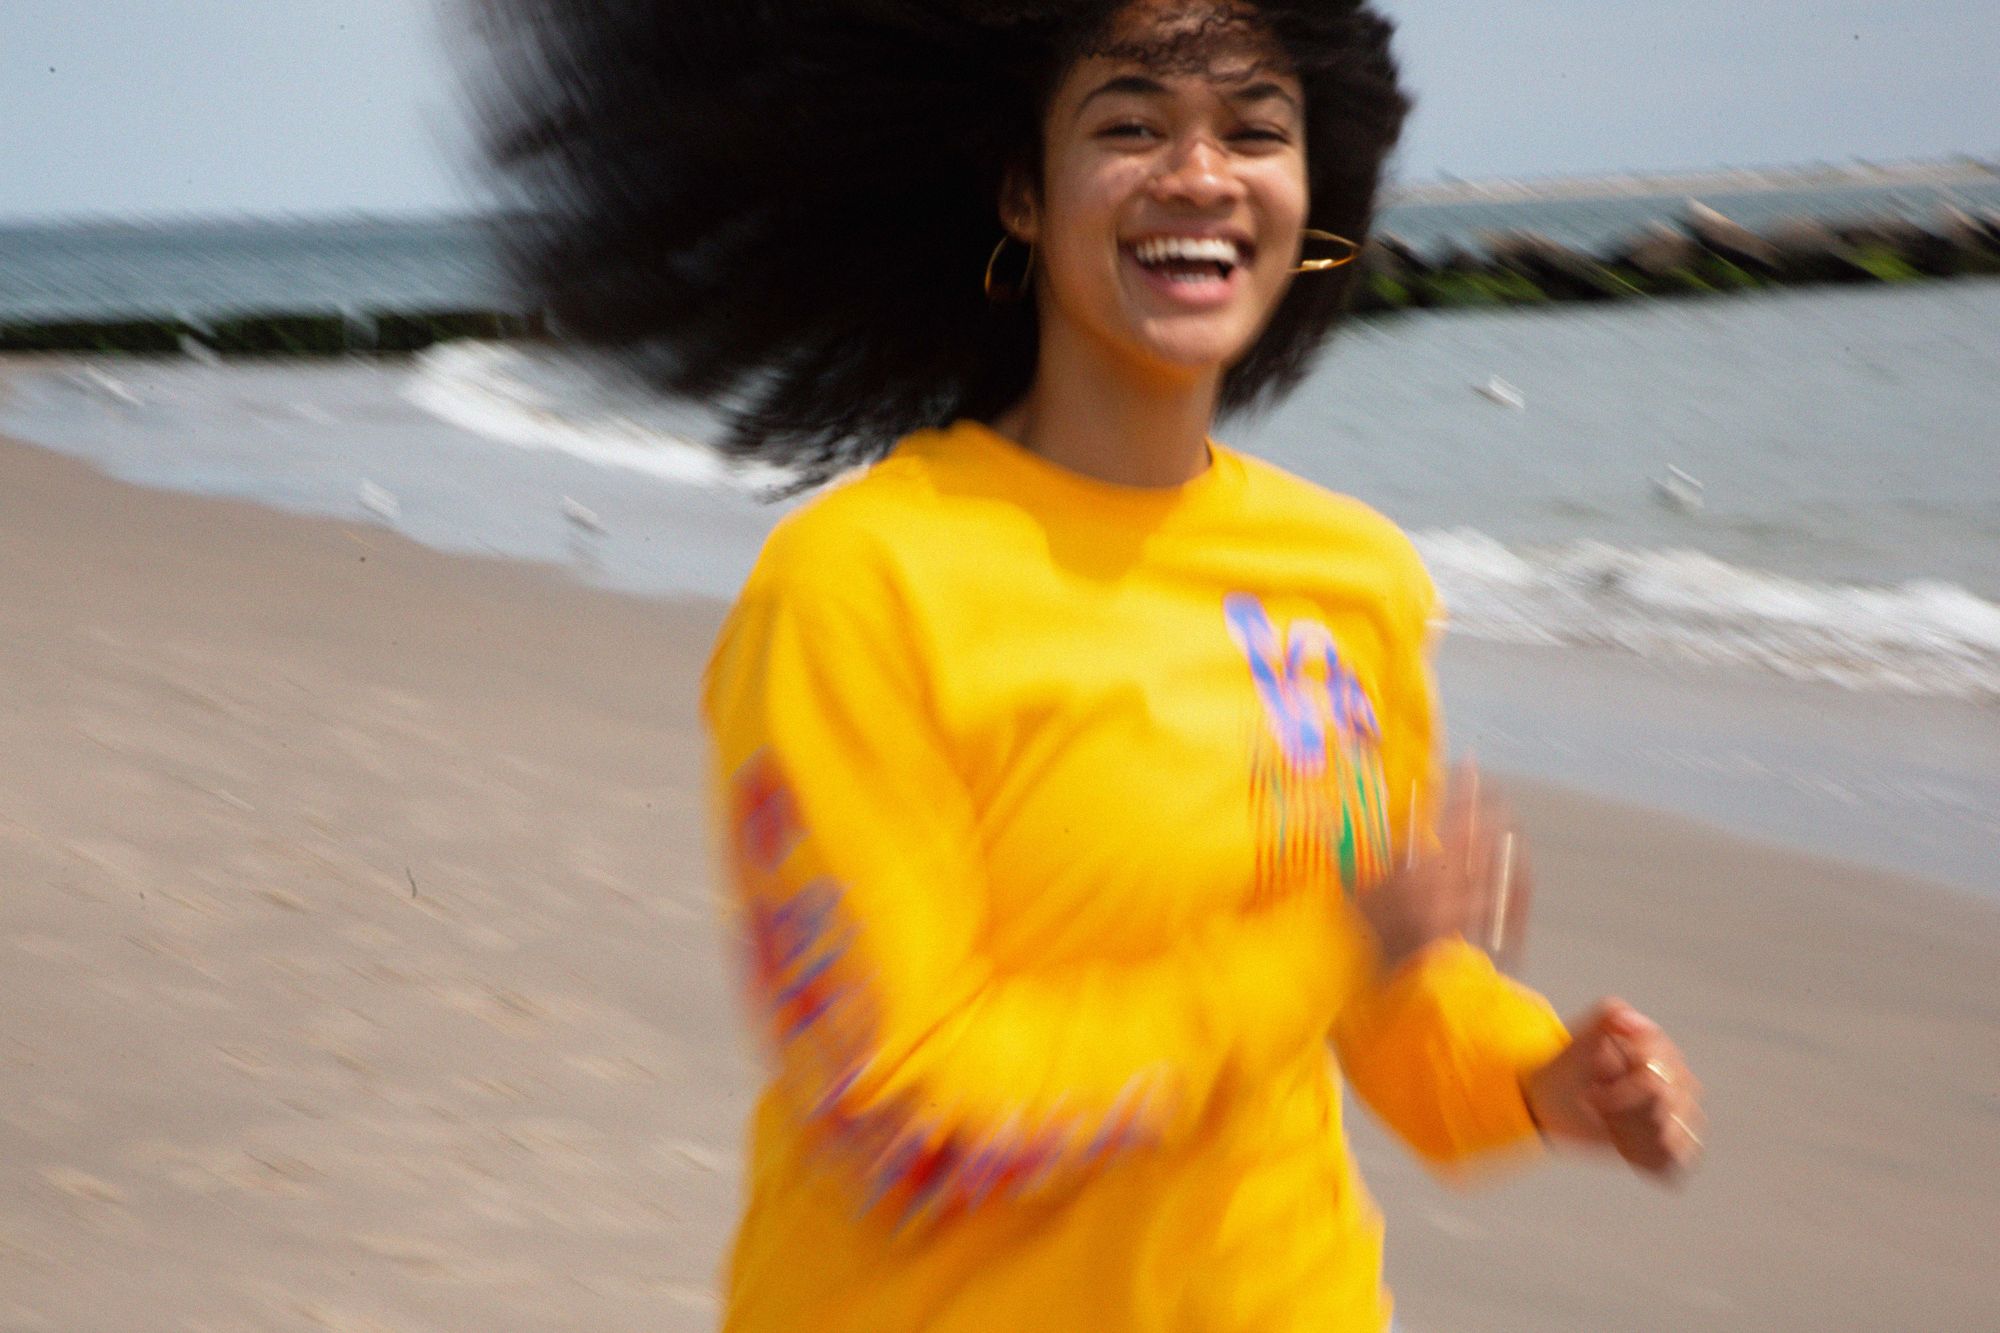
[1106, 418]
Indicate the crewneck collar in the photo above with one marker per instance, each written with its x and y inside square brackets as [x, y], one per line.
[1057, 484]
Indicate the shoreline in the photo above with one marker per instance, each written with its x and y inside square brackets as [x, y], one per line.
[1963, 170]
[1521, 253]
[1960, 169]
[363, 963]
[1893, 780]
[1903, 784]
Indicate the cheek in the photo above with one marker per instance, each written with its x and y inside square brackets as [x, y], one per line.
[1084, 195]
[1080, 221]
[1284, 210]
[1285, 200]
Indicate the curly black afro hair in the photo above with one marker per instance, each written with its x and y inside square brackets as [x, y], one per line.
[783, 208]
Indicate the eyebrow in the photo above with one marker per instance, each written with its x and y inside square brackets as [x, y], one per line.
[1137, 84]
[1263, 92]
[1141, 86]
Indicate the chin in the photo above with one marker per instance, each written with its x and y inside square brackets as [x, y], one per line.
[1193, 351]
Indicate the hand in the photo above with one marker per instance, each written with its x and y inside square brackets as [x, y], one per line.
[1475, 885]
[1621, 1083]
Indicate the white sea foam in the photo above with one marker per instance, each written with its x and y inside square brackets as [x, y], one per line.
[571, 403]
[1923, 636]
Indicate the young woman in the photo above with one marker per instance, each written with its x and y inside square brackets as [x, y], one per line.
[1078, 773]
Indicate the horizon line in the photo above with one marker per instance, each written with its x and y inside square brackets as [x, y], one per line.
[1444, 187]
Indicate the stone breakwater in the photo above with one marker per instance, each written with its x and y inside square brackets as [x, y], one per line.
[1703, 253]
[270, 333]
[1951, 173]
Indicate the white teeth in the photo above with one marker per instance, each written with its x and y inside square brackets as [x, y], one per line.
[1197, 249]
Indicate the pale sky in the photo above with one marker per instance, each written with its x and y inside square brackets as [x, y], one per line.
[134, 107]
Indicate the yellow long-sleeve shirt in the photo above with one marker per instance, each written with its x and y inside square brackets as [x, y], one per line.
[1047, 801]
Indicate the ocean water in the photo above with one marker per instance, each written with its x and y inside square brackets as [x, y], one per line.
[1843, 443]
[211, 268]
[1841, 570]
[1597, 223]
[112, 269]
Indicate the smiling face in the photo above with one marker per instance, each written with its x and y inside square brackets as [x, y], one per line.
[1172, 195]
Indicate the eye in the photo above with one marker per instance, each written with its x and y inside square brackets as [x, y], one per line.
[1126, 129]
[1260, 134]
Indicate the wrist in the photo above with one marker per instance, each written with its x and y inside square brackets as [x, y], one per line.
[1391, 944]
[1525, 1083]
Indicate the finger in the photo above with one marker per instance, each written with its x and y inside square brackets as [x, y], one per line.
[1464, 784]
[1459, 878]
[1489, 825]
[1630, 1093]
[1650, 1125]
[1494, 809]
[1460, 822]
[1497, 934]
[1682, 1145]
[1610, 1006]
[1524, 894]
[1672, 1073]
[1664, 1160]
[1652, 1053]
[1632, 1025]
[1513, 897]
[1635, 1047]
[1457, 823]
[1480, 839]
[1636, 1076]
[1648, 1136]
[1602, 1057]
[1475, 807]
[1597, 1028]
[1413, 840]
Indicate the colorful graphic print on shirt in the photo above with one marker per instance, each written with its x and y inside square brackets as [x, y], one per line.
[1316, 789]
[824, 1010]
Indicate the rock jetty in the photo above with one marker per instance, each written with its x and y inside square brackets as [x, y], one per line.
[1705, 253]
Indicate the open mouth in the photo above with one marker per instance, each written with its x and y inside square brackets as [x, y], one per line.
[1190, 259]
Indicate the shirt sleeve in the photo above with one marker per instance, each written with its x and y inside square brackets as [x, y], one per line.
[1438, 1048]
[932, 1074]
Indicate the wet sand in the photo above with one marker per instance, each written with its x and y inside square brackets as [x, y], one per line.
[359, 969]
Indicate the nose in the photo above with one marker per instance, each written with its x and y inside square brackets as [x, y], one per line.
[1197, 173]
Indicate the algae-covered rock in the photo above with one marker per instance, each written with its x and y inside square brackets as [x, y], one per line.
[1809, 251]
[1723, 274]
[413, 331]
[1742, 248]
[1382, 292]
[281, 334]
[1974, 248]
[1656, 252]
[1474, 286]
[1554, 270]
[1405, 256]
[1885, 265]
[92, 335]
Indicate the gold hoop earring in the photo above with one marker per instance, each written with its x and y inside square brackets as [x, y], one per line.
[998, 294]
[1322, 265]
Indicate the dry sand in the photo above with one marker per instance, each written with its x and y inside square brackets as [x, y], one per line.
[358, 970]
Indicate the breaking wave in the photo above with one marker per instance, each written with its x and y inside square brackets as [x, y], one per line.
[574, 404]
[1923, 636]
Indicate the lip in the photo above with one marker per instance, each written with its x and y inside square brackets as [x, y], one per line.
[1242, 238]
[1202, 294]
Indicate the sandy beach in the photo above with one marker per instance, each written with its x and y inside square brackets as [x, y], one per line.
[360, 969]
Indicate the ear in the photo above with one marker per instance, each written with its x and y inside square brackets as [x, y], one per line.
[1020, 206]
